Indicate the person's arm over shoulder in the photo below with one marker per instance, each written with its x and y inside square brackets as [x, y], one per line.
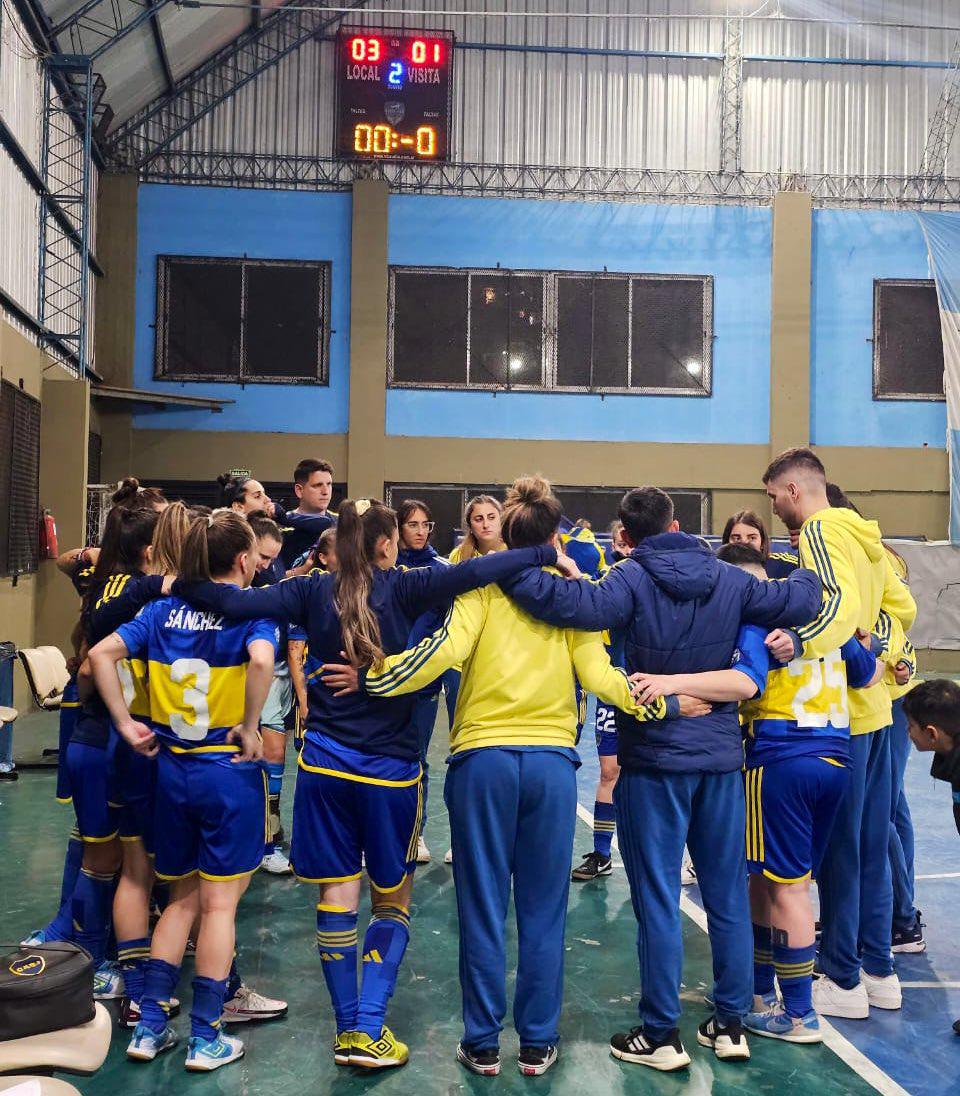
[598, 675]
[423, 587]
[861, 664]
[112, 610]
[577, 603]
[781, 603]
[287, 601]
[451, 644]
[135, 634]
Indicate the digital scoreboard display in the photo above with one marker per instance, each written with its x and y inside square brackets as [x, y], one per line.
[393, 94]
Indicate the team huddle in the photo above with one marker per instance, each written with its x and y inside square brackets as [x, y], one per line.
[752, 708]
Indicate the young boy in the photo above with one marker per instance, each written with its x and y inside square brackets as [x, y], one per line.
[932, 709]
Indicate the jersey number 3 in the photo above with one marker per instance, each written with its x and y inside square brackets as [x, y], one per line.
[194, 699]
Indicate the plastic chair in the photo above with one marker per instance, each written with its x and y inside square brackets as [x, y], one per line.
[47, 675]
[80, 1049]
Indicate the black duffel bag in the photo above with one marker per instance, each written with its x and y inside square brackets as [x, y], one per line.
[44, 987]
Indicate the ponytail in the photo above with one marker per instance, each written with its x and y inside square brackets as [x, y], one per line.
[531, 512]
[125, 535]
[212, 544]
[360, 525]
[168, 537]
[130, 495]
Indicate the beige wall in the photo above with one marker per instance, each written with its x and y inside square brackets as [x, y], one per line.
[63, 401]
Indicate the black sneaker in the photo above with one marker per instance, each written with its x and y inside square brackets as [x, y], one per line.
[910, 941]
[594, 864]
[729, 1042]
[534, 1061]
[484, 1062]
[665, 1055]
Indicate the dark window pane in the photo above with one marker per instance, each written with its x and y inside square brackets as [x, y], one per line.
[200, 318]
[506, 329]
[908, 341]
[429, 327]
[668, 334]
[592, 312]
[19, 481]
[94, 453]
[599, 506]
[284, 320]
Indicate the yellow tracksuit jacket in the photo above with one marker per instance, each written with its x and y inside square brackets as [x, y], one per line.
[860, 590]
[518, 674]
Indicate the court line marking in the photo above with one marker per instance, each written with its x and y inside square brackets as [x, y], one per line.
[940, 875]
[855, 1059]
[930, 985]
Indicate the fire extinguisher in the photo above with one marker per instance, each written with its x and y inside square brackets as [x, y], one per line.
[48, 536]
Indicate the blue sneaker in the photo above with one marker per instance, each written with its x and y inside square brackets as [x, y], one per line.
[38, 936]
[146, 1044]
[204, 1055]
[774, 1023]
[107, 981]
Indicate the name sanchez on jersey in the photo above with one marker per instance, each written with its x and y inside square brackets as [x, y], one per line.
[194, 620]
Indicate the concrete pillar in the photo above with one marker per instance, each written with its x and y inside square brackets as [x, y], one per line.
[366, 440]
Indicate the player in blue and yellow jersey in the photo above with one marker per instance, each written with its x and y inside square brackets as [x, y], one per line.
[511, 786]
[322, 559]
[862, 594]
[208, 679]
[797, 725]
[358, 789]
[747, 527]
[118, 588]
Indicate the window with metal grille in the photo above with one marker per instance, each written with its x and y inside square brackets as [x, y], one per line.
[907, 341]
[598, 505]
[551, 331]
[94, 454]
[19, 481]
[242, 320]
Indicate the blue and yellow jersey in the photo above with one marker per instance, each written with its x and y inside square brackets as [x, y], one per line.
[197, 669]
[801, 708]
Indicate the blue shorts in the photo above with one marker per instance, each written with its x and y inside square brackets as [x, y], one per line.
[135, 789]
[606, 728]
[212, 817]
[348, 806]
[791, 806]
[69, 707]
[91, 776]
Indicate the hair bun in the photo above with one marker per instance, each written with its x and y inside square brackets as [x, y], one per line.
[532, 489]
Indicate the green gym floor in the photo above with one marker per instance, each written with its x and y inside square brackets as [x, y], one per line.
[277, 954]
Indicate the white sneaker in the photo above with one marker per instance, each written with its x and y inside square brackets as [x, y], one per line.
[882, 992]
[448, 856]
[829, 999]
[247, 1005]
[423, 853]
[276, 863]
[688, 874]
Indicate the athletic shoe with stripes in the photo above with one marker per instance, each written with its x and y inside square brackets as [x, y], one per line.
[727, 1041]
[774, 1023]
[342, 1042]
[535, 1061]
[594, 864]
[246, 1005]
[665, 1055]
[205, 1055]
[379, 1053]
[146, 1044]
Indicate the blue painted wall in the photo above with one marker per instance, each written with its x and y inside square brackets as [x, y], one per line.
[850, 249]
[265, 224]
[733, 244]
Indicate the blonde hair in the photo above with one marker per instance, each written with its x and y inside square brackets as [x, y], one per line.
[168, 537]
[469, 546]
[531, 512]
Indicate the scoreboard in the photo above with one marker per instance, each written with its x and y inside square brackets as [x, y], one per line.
[393, 94]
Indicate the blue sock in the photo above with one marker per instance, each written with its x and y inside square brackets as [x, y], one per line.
[159, 981]
[274, 788]
[234, 981]
[383, 946]
[133, 956]
[61, 927]
[337, 944]
[91, 908]
[208, 997]
[795, 975]
[604, 824]
[762, 960]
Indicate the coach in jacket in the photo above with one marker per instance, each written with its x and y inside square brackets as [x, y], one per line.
[678, 610]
